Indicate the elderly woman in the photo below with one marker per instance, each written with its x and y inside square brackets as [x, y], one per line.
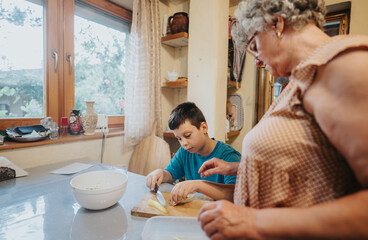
[304, 168]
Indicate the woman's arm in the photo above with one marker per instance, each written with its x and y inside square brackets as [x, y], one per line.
[218, 166]
[345, 218]
[338, 99]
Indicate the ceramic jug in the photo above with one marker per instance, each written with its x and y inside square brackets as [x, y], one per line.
[75, 122]
[179, 22]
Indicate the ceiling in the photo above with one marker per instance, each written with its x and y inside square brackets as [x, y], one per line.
[127, 4]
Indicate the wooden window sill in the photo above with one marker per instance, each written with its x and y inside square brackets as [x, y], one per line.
[62, 139]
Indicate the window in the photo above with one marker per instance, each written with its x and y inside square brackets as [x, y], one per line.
[100, 52]
[58, 54]
[21, 59]
[337, 19]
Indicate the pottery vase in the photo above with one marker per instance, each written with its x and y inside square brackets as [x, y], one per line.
[89, 119]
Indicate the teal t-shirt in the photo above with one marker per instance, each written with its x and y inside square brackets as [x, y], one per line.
[187, 164]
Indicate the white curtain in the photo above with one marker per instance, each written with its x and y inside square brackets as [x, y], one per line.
[142, 85]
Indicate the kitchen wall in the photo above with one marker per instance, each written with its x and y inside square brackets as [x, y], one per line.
[207, 62]
[91, 149]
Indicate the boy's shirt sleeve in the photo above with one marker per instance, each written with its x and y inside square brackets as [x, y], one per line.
[176, 165]
[231, 156]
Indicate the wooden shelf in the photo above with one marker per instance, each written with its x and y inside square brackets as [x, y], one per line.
[175, 84]
[233, 133]
[10, 144]
[169, 134]
[233, 84]
[176, 40]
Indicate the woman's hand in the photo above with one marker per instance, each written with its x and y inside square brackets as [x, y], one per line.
[218, 166]
[154, 177]
[224, 220]
[182, 189]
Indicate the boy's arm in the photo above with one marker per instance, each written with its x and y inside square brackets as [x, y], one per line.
[167, 177]
[216, 191]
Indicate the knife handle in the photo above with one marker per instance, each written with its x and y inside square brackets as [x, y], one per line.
[156, 188]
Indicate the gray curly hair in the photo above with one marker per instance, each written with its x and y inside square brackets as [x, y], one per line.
[255, 15]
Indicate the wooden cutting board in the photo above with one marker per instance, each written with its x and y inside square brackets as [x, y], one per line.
[150, 154]
[190, 209]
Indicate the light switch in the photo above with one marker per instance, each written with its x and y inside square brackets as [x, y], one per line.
[102, 121]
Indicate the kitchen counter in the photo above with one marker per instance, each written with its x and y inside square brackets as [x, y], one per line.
[42, 206]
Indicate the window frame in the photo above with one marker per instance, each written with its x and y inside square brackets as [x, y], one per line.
[343, 19]
[59, 84]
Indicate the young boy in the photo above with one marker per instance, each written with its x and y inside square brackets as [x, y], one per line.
[190, 128]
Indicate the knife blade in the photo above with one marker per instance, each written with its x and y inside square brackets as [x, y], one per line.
[159, 196]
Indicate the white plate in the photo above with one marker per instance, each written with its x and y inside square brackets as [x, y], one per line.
[169, 228]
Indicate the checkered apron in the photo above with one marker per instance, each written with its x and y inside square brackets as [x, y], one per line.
[287, 160]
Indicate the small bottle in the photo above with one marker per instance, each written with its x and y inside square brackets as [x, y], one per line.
[64, 126]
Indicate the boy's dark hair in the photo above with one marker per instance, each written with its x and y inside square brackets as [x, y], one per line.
[186, 111]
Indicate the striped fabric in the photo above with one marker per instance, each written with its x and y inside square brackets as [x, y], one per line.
[287, 160]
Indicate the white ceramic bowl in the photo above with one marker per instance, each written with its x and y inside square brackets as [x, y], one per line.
[99, 189]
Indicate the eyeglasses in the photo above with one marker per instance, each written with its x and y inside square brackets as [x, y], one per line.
[251, 46]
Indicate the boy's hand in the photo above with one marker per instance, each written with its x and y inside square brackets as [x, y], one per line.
[182, 189]
[154, 177]
[218, 166]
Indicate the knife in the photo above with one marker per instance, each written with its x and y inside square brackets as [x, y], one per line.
[159, 196]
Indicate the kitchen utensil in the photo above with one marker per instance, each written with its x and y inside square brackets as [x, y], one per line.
[179, 22]
[190, 209]
[163, 227]
[150, 154]
[159, 196]
[99, 189]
